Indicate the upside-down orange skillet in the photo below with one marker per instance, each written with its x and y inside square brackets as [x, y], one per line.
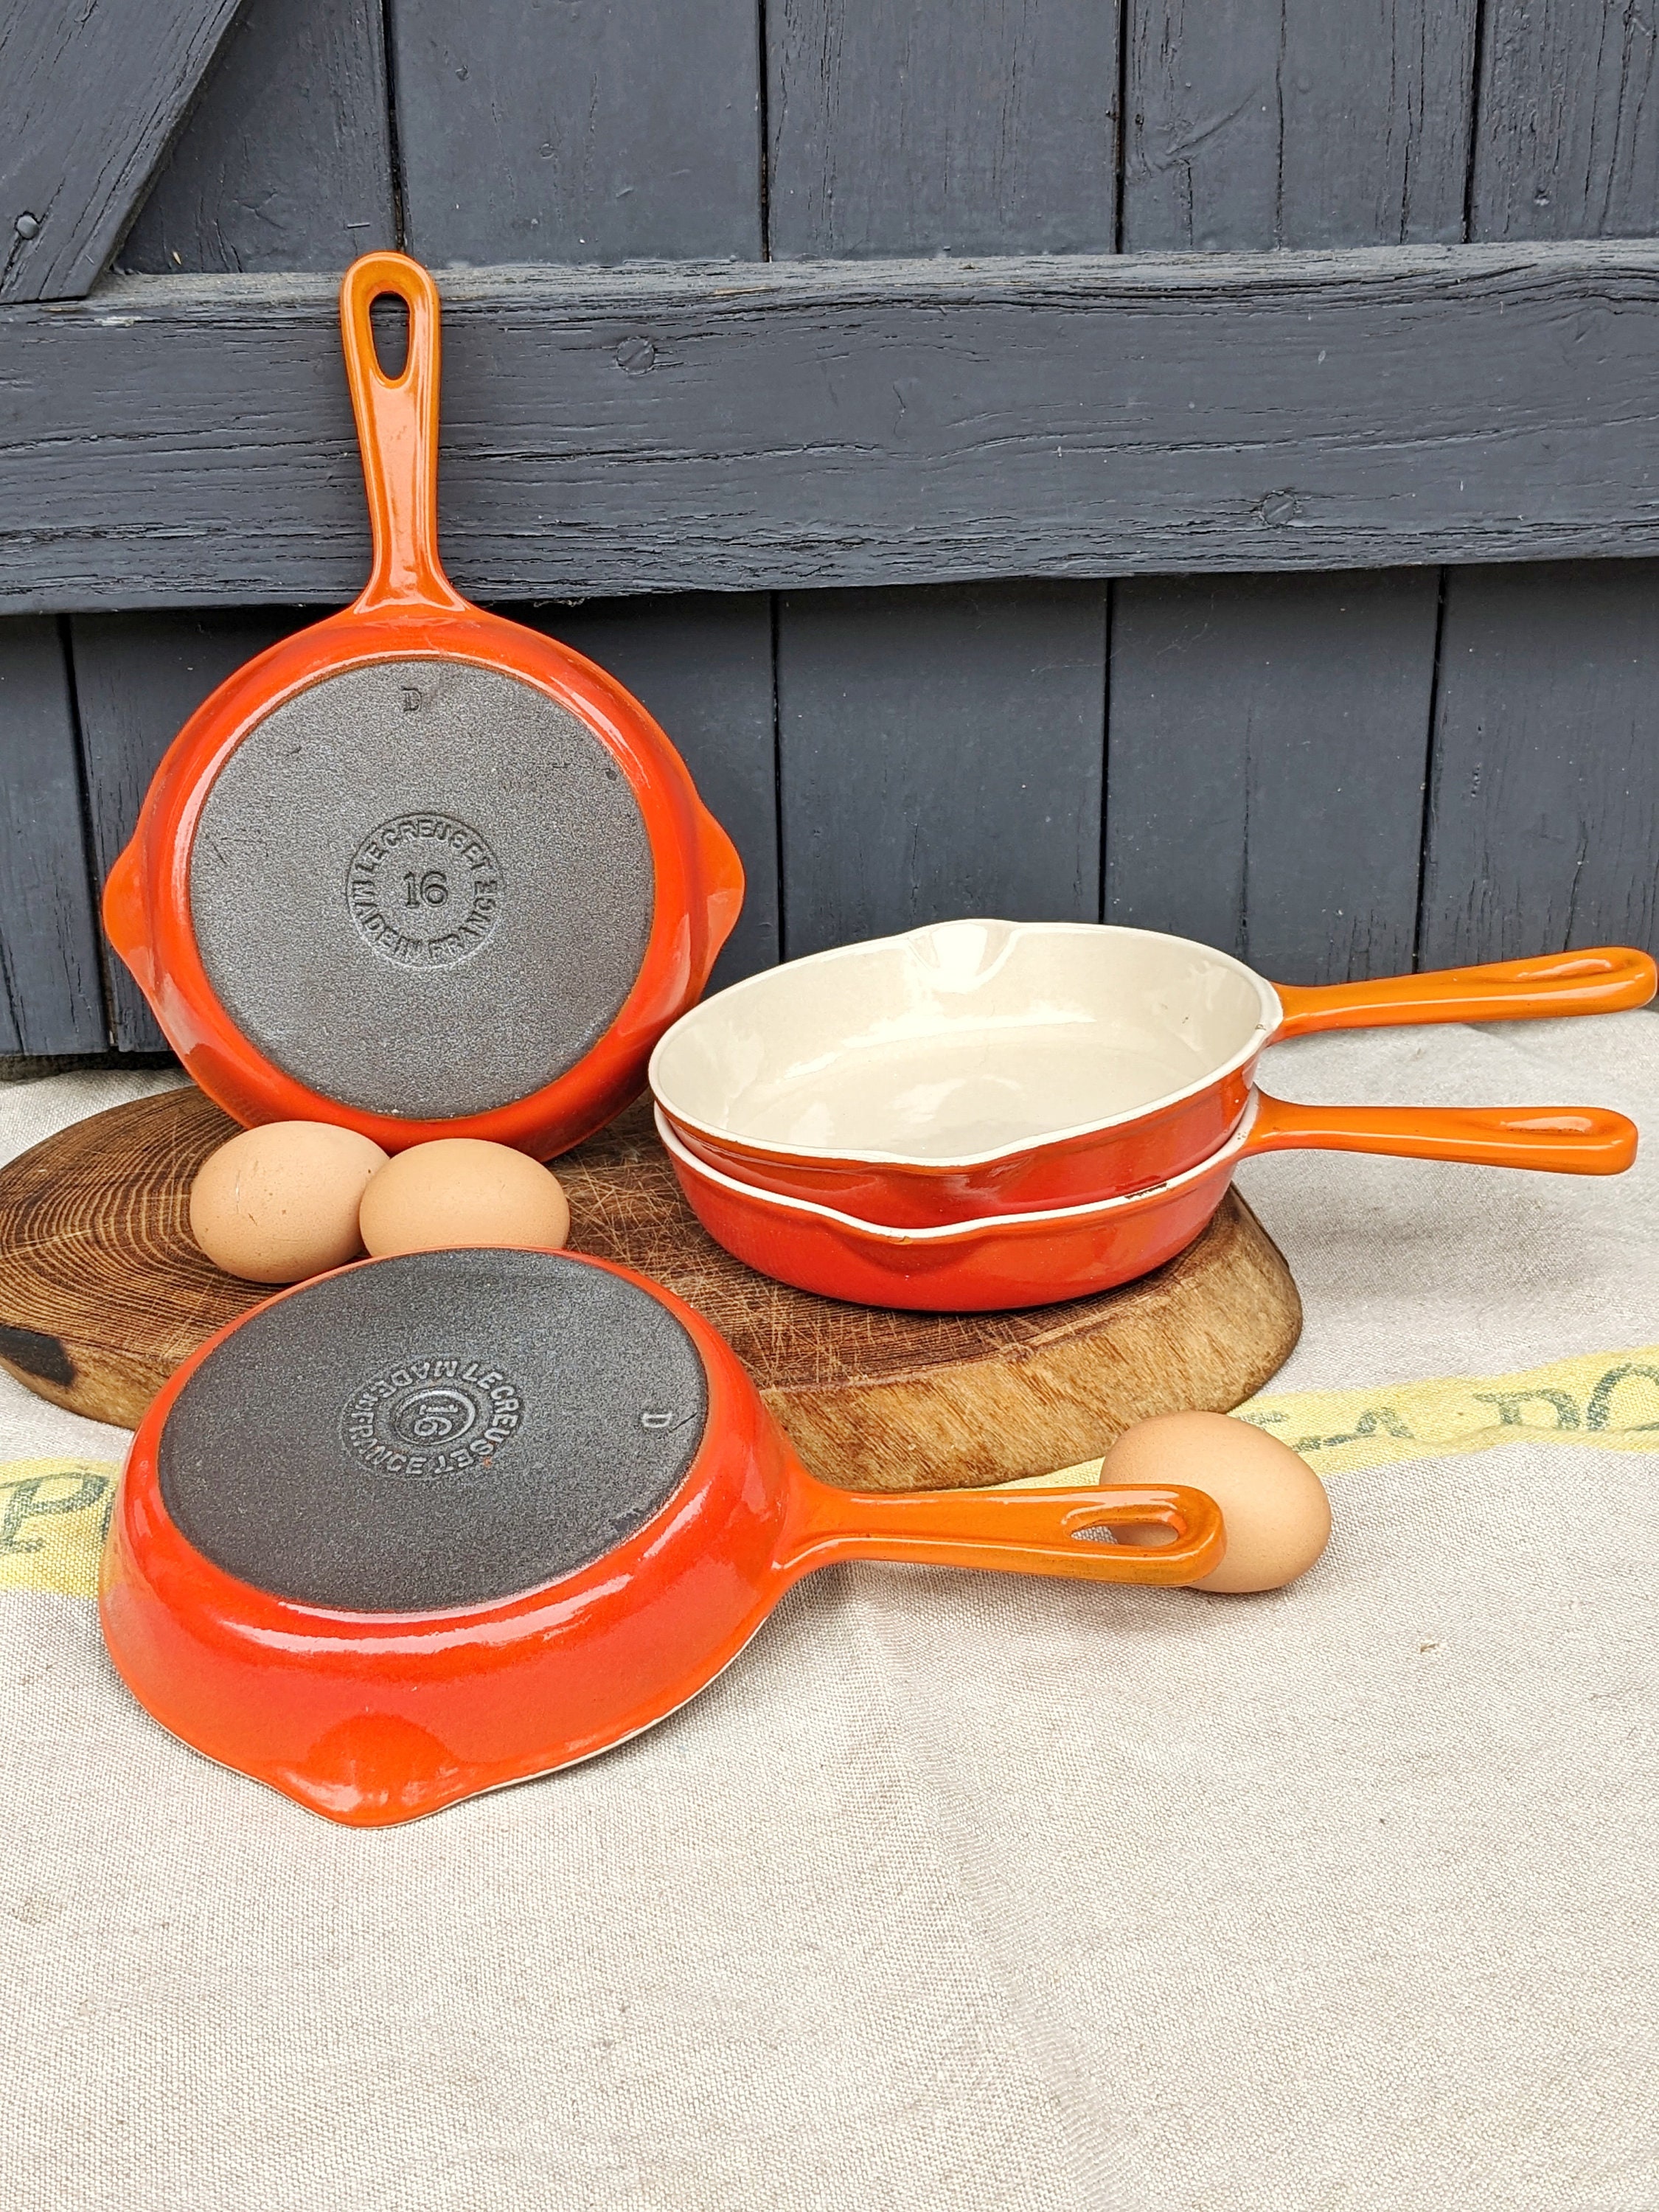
[418, 869]
[436, 1524]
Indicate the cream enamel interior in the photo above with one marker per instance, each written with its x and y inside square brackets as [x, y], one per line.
[962, 1043]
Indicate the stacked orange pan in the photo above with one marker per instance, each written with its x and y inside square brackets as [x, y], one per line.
[990, 1114]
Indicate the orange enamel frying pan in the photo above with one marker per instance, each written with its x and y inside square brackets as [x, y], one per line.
[1009, 1260]
[418, 869]
[436, 1524]
[979, 1067]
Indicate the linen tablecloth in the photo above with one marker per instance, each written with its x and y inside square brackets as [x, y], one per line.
[959, 1890]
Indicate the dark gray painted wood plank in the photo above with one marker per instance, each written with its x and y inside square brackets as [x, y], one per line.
[1269, 735]
[138, 679]
[1545, 802]
[971, 128]
[1268, 740]
[939, 754]
[1543, 826]
[940, 751]
[1296, 123]
[52, 998]
[286, 160]
[1568, 143]
[89, 96]
[702, 665]
[577, 130]
[188, 440]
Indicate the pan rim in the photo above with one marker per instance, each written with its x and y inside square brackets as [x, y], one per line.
[1224, 1159]
[1269, 1021]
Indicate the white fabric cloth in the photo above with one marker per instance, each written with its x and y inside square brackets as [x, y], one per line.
[956, 1890]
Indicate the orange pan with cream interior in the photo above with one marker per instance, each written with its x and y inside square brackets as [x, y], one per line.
[984, 1067]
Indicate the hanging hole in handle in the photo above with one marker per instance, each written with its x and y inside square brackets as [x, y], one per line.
[388, 322]
[1148, 1536]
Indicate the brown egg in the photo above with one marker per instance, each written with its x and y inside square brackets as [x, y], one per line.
[279, 1203]
[460, 1190]
[1278, 1516]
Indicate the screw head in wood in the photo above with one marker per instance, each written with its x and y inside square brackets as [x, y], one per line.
[27, 226]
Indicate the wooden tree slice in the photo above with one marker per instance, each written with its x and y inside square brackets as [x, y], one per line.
[102, 1294]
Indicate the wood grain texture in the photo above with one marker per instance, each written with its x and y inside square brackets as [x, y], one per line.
[1543, 825]
[285, 161]
[976, 128]
[579, 130]
[53, 998]
[138, 679]
[940, 753]
[1568, 143]
[1265, 778]
[621, 432]
[702, 665]
[1545, 807]
[102, 1294]
[89, 96]
[1269, 734]
[1296, 123]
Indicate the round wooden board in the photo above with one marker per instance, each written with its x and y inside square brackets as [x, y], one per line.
[102, 1294]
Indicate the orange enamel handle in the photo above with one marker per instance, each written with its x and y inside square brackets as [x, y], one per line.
[1022, 1532]
[1558, 1139]
[397, 429]
[1604, 981]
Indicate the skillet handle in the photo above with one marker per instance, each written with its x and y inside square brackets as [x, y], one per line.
[1032, 1532]
[1604, 981]
[397, 429]
[1558, 1139]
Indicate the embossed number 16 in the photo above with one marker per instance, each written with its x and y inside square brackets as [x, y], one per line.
[430, 889]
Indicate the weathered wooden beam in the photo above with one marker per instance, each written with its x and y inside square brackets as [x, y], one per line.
[285, 161]
[187, 440]
[89, 96]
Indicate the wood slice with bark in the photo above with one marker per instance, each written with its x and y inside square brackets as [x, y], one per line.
[103, 1293]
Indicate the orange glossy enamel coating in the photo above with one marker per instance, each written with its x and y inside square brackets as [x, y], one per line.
[1077, 1171]
[1607, 980]
[1028, 1532]
[1554, 1139]
[1041, 1258]
[410, 609]
[398, 432]
[1145, 1149]
[372, 1718]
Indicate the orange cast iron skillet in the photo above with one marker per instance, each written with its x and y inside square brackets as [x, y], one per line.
[976, 1067]
[409, 610]
[371, 1716]
[1042, 1258]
